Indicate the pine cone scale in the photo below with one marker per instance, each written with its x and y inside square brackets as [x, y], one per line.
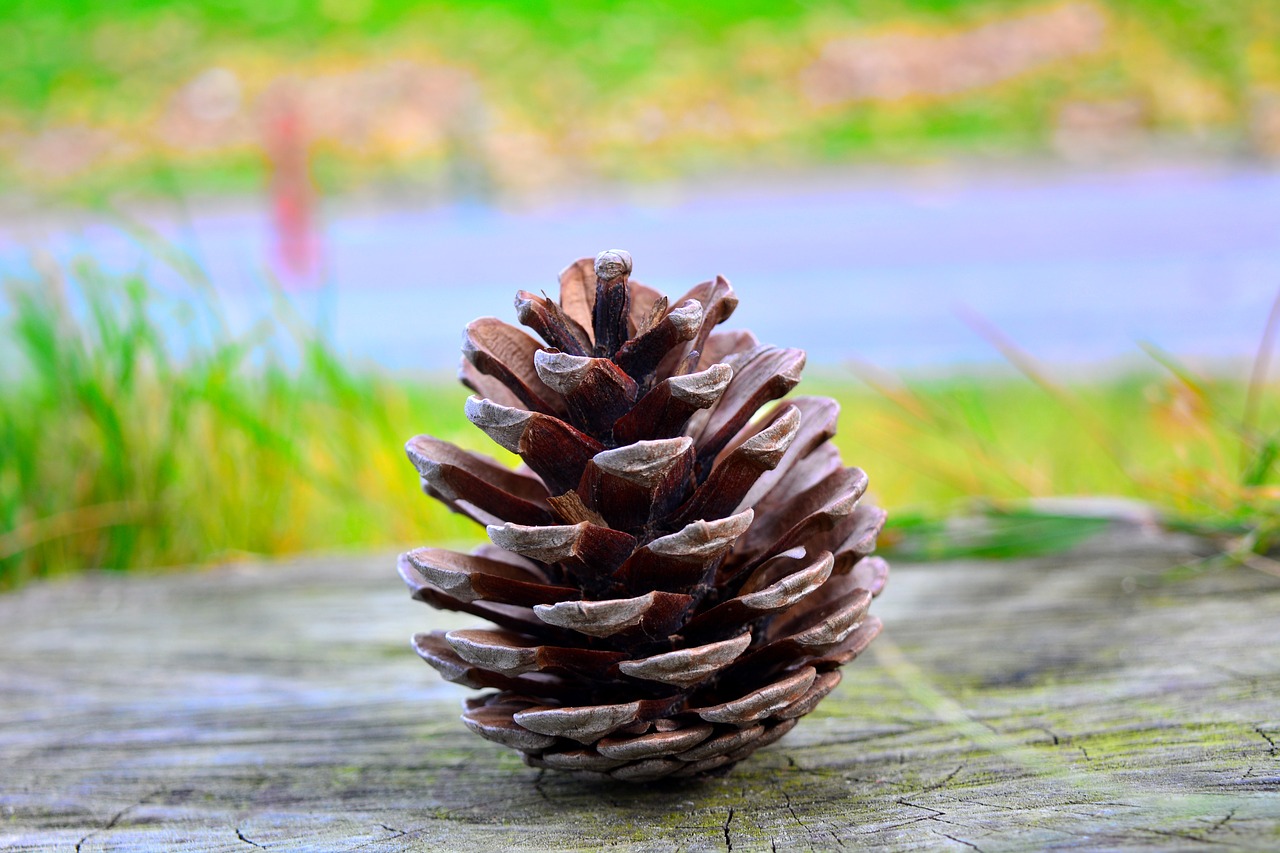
[664, 411]
[506, 353]
[552, 324]
[688, 666]
[655, 613]
[672, 582]
[762, 702]
[655, 745]
[468, 577]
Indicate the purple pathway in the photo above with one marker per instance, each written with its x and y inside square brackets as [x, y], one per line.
[1076, 269]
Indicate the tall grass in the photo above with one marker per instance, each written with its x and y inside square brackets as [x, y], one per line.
[1199, 449]
[137, 431]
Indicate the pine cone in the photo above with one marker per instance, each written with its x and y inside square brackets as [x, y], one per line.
[672, 584]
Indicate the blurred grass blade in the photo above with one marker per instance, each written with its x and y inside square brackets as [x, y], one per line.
[1257, 383]
[72, 522]
[1026, 365]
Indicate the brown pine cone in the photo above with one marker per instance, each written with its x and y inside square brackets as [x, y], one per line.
[671, 583]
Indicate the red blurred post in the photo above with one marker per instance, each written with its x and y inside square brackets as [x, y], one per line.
[291, 192]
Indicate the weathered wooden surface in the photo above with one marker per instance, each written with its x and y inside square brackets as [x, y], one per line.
[1074, 702]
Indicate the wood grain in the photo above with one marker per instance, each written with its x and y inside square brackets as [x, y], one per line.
[1079, 702]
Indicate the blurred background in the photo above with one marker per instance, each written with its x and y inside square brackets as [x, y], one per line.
[1031, 246]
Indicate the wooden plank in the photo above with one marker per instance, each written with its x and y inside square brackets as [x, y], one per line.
[1076, 702]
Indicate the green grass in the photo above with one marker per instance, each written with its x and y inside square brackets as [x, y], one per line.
[121, 452]
[125, 447]
[963, 446]
[579, 77]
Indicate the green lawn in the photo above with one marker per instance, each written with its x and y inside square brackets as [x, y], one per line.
[553, 92]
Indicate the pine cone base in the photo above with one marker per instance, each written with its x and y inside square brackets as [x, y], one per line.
[674, 580]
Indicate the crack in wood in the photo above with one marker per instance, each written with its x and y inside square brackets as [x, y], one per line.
[1273, 750]
[240, 835]
[115, 819]
[943, 782]
[537, 785]
[791, 810]
[986, 804]
[396, 833]
[1211, 830]
[936, 815]
[959, 840]
[728, 841]
[934, 812]
[1186, 835]
[1050, 732]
